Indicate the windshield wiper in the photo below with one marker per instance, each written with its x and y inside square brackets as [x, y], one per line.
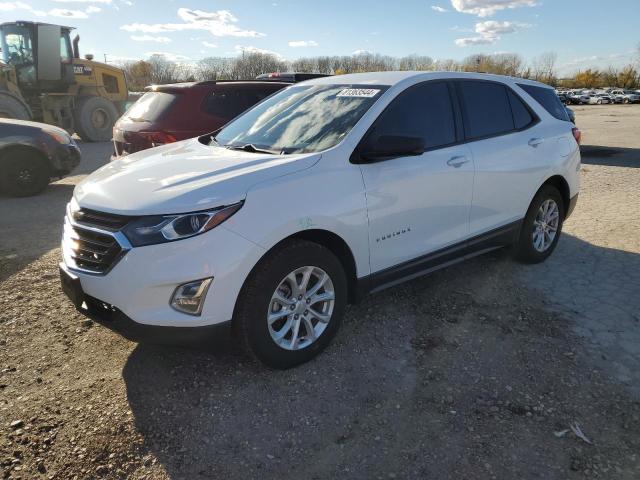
[251, 148]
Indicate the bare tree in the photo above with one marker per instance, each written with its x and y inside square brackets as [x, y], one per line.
[544, 68]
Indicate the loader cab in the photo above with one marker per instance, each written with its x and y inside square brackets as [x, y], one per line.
[40, 53]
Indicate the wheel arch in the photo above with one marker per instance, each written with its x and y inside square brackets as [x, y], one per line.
[4, 151]
[331, 241]
[561, 184]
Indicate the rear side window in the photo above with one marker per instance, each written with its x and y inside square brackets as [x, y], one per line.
[487, 109]
[548, 99]
[231, 103]
[422, 111]
[150, 107]
[521, 115]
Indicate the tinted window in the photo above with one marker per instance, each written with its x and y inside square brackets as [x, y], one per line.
[422, 111]
[521, 115]
[487, 109]
[231, 103]
[548, 99]
[150, 107]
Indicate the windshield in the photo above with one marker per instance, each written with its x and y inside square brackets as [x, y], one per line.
[150, 107]
[301, 119]
[16, 45]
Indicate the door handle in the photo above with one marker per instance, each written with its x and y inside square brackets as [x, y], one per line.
[457, 161]
[534, 142]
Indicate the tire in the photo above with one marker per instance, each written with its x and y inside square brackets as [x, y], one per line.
[599, 102]
[525, 248]
[626, 100]
[257, 300]
[24, 173]
[94, 118]
[12, 107]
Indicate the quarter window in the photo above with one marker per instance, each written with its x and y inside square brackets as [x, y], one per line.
[487, 109]
[548, 99]
[521, 115]
[422, 111]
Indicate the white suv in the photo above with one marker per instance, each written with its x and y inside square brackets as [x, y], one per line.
[325, 191]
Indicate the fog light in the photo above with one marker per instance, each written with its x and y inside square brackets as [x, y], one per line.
[189, 297]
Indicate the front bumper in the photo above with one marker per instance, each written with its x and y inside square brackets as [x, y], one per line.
[65, 158]
[140, 285]
[114, 319]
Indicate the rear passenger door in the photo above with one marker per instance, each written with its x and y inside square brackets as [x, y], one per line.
[501, 132]
[418, 204]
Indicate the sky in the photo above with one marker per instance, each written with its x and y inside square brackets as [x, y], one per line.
[583, 33]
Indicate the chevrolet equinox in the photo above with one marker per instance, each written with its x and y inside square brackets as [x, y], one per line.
[328, 190]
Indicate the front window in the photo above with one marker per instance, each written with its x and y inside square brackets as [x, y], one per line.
[301, 119]
[17, 48]
[65, 48]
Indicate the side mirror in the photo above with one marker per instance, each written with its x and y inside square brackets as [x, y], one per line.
[391, 146]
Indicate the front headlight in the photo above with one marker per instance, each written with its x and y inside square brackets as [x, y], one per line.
[168, 228]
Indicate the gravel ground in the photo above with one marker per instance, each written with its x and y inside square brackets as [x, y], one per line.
[478, 371]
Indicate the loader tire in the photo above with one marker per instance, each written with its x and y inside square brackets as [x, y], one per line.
[93, 119]
[12, 107]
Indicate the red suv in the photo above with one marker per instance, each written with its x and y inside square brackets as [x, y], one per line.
[168, 113]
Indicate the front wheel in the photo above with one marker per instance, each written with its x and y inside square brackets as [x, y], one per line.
[291, 305]
[23, 173]
[541, 227]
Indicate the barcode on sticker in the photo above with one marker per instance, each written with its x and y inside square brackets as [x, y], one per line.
[358, 92]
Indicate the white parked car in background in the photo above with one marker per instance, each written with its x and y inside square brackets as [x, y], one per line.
[579, 98]
[325, 191]
[600, 99]
[626, 96]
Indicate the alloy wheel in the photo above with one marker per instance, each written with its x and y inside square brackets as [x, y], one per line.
[545, 225]
[301, 307]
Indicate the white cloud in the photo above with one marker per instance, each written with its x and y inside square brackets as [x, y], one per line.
[361, 52]
[252, 49]
[83, 1]
[486, 8]
[438, 9]
[150, 38]
[221, 23]
[489, 32]
[174, 57]
[54, 12]
[303, 43]
[209, 44]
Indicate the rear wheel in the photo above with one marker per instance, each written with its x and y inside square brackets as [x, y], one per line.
[541, 227]
[626, 100]
[292, 305]
[12, 107]
[24, 173]
[94, 118]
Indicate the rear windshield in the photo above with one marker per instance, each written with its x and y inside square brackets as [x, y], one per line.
[301, 119]
[150, 107]
[548, 99]
[230, 103]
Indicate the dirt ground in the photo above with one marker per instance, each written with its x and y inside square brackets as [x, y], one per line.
[478, 371]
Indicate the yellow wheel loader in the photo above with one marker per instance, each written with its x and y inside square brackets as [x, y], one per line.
[43, 78]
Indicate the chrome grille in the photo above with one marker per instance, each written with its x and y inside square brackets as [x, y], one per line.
[92, 243]
[108, 221]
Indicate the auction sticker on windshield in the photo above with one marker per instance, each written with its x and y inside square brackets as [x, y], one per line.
[358, 92]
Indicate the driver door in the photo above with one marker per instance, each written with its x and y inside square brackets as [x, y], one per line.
[418, 204]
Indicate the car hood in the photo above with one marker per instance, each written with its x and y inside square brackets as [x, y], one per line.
[182, 177]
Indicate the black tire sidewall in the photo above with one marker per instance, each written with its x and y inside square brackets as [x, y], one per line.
[524, 248]
[13, 163]
[14, 107]
[82, 119]
[255, 297]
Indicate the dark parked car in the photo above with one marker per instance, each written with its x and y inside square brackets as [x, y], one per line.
[168, 113]
[31, 154]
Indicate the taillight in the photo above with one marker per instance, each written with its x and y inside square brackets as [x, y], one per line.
[577, 134]
[157, 138]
